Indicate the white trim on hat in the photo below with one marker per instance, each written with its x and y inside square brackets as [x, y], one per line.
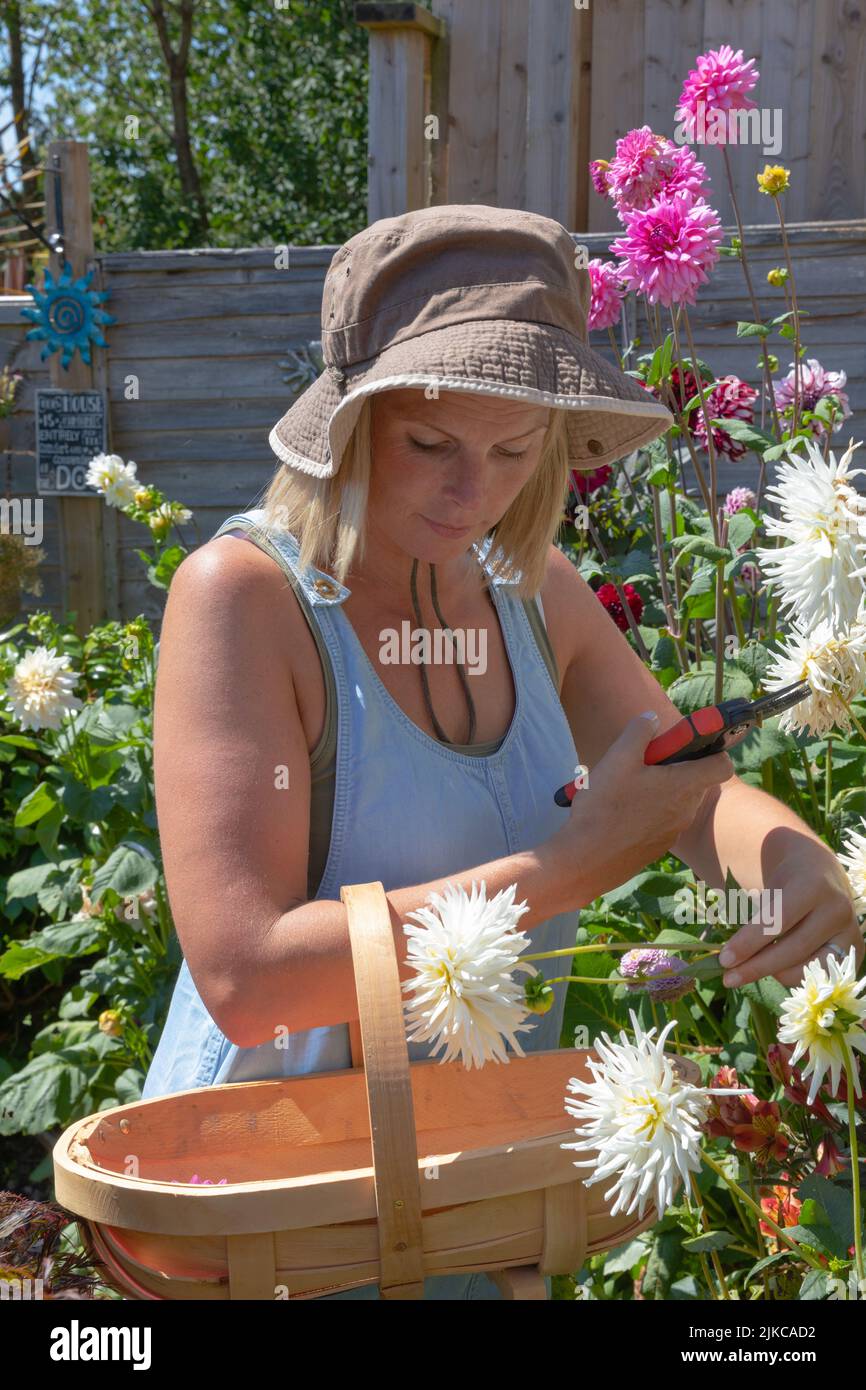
[337, 440]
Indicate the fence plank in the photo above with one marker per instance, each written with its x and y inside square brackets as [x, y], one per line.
[837, 166]
[617, 100]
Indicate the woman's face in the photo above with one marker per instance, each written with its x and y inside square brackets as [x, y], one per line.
[459, 461]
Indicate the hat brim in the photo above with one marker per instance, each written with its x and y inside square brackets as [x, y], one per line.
[610, 414]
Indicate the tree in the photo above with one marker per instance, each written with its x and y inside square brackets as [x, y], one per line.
[229, 123]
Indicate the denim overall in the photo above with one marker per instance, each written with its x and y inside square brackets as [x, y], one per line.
[407, 809]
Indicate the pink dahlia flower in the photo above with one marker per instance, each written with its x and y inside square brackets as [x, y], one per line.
[598, 173]
[669, 247]
[738, 498]
[815, 383]
[647, 165]
[607, 291]
[733, 399]
[719, 81]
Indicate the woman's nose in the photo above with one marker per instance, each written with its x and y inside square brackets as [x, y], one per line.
[465, 483]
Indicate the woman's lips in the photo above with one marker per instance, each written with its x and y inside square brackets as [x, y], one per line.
[454, 532]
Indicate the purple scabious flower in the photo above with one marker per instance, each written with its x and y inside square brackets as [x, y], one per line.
[655, 972]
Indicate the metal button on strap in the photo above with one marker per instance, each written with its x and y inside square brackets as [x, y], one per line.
[325, 587]
[595, 446]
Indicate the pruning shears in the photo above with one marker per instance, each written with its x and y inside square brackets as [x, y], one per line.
[713, 729]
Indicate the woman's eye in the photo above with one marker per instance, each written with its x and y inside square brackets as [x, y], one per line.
[418, 445]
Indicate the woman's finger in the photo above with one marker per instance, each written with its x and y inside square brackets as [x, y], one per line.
[798, 945]
[777, 914]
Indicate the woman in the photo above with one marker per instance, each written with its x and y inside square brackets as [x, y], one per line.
[293, 756]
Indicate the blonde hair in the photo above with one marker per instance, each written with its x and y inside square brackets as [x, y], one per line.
[327, 516]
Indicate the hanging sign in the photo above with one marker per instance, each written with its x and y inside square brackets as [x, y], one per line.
[70, 431]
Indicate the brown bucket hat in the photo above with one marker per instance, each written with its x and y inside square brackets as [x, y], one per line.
[463, 297]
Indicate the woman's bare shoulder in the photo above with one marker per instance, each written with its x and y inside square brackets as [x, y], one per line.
[228, 583]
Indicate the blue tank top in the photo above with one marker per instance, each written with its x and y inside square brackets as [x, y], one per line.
[407, 809]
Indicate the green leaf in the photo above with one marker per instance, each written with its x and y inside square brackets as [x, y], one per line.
[819, 1237]
[710, 1240]
[754, 658]
[660, 366]
[741, 527]
[736, 565]
[696, 689]
[752, 330]
[764, 743]
[817, 1285]
[702, 547]
[162, 573]
[60, 940]
[766, 991]
[26, 882]
[664, 654]
[19, 741]
[651, 891]
[127, 871]
[45, 1093]
[745, 433]
[35, 805]
[834, 1207]
[624, 1257]
[827, 408]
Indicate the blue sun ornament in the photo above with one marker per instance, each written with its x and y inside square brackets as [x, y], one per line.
[67, 314]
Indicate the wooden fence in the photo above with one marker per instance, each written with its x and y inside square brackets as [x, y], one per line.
[527, 91]
[194, 382]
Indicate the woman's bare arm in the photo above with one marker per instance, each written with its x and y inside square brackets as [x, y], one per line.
[232, 780]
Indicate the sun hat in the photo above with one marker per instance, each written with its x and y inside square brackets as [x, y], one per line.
[463, 297]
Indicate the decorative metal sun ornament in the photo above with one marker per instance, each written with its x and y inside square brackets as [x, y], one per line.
[67, 314]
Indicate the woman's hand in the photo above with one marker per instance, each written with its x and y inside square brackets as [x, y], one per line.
[629, 814]
[816, 909]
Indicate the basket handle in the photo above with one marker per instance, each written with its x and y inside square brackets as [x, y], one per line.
[389, 1090]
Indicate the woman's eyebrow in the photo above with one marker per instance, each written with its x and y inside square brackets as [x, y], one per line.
[428, 424]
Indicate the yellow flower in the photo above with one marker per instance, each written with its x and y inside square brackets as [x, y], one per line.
[145, 498]
[777, 276]
[109, 1022]
[774, 179]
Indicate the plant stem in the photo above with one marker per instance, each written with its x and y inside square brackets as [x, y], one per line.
[762, 1246]
[855, 1161]
[681, 421]
[714, 1254]
[617, 946]
[810, 782]
[615, 348]
[795, 314]
[709, 1016]
[768, 376]
[762, 1215]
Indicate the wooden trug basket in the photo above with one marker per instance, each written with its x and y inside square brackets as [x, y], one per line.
[383, 1174]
